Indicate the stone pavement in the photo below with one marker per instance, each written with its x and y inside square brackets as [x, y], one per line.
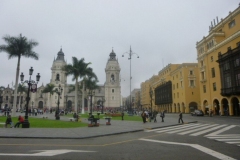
[116, 127]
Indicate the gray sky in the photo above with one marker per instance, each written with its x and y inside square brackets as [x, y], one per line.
[159, 31]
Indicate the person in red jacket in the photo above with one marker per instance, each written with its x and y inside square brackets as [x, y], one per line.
[20, 121]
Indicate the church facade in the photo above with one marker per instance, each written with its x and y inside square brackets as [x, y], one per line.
[107, 95]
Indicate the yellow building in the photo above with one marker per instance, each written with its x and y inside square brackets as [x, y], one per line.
[185, 88]
[145, 98]
[219, 86]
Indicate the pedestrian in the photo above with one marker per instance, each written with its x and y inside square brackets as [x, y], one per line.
[9, 121]
[143, 116]
[155, 116]
[122, 115]
[20, 121]
[162, 115]
[180, 117]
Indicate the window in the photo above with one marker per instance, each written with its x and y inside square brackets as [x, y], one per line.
[203, 76]
[214, 86]
[181, 84]
[99, 91]
[227, 81]
[57, 77]
[201, 63]
[112, 78]
[6, 98]
[112, 97]
[173, 86]
[213, 72]
[191, 83]
[177, 85]
[112, 90]
[210, 44]
[204, 88]
[177, 95]
[191, 72]
[174, 95]
[231, 24]
[226, 66]
[236, 62]
[211, 58]
[238, 78]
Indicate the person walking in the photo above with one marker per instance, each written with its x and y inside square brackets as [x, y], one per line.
[155, 116]
[180, 117]
[162, 115]
[20, 121]
[9, 121]
[122, 115]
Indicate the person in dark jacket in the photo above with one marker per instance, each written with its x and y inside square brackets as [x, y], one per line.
[180, 117]
[9, 121]
[162, 115]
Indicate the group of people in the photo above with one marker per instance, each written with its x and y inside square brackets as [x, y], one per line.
[148, 116]
[11, 123]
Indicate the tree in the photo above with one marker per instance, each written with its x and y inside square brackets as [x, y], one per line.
[78, 69]
[21, 89]
[18, 47]
[91, 85]
[49, 89]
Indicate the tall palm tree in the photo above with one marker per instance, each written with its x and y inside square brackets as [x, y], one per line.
[21, 89]
[91, 85]
[78, 69]
[18, 47]
[49, 89]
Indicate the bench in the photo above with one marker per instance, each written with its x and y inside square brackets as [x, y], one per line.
[108, 120]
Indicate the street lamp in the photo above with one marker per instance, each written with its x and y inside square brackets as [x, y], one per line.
[103, 100]
[151, 94]
[59, 92]
[91, 93]
[66, 102]
[32, 85]
[130, 54]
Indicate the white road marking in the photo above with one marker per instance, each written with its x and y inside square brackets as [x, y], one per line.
[233, 142]
[220, 131]
[171, 128]
[44, 153]
[208, 130]
[196, 146]
[198, 129]
[192, 127]
[228, 139]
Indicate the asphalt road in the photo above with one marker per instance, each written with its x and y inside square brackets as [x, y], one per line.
[149, 144]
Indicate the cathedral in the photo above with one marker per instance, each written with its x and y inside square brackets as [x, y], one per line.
[107, 95]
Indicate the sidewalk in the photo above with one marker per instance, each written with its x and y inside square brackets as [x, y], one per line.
[116, 127]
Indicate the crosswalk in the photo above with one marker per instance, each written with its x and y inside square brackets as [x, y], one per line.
[211, 131]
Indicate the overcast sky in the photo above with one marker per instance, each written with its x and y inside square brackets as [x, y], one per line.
[159, 31]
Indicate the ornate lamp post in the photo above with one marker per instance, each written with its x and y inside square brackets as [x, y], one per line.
[91, 93]
[66, 102]
[130, 54]
[103, 100]
[151, 94]
[59, 92]
[32, 85]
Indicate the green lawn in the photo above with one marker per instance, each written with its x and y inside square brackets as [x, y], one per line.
[126, 117]
[47, 123]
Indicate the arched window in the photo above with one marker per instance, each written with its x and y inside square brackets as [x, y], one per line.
[57, 77]
[112, 77]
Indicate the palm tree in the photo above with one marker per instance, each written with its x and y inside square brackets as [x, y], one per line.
[91, 85]
[21, 88]
[18, 47]
[49, 89]
[78, 69]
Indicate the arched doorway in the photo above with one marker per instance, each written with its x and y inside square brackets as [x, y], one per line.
[192, 106]
[225, 107]
[40, 104]
[69, 105]
[216, 106]
[174, 108]
[183, 109]
[235, 106]
[205, 107]
[178, 108]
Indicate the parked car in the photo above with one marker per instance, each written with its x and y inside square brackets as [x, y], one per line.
[197, 113]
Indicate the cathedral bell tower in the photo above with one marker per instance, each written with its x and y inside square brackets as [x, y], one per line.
[112, 84]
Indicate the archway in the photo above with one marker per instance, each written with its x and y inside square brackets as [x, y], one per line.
[216, 106]
[178, 108]
[205, 107]
[183, 108]
[192, 106]
[174, 108]
[40, 104]
[69, 105]
[225, 107]
[235, 106]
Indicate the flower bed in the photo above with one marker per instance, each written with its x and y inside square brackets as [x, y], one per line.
[113, 114]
